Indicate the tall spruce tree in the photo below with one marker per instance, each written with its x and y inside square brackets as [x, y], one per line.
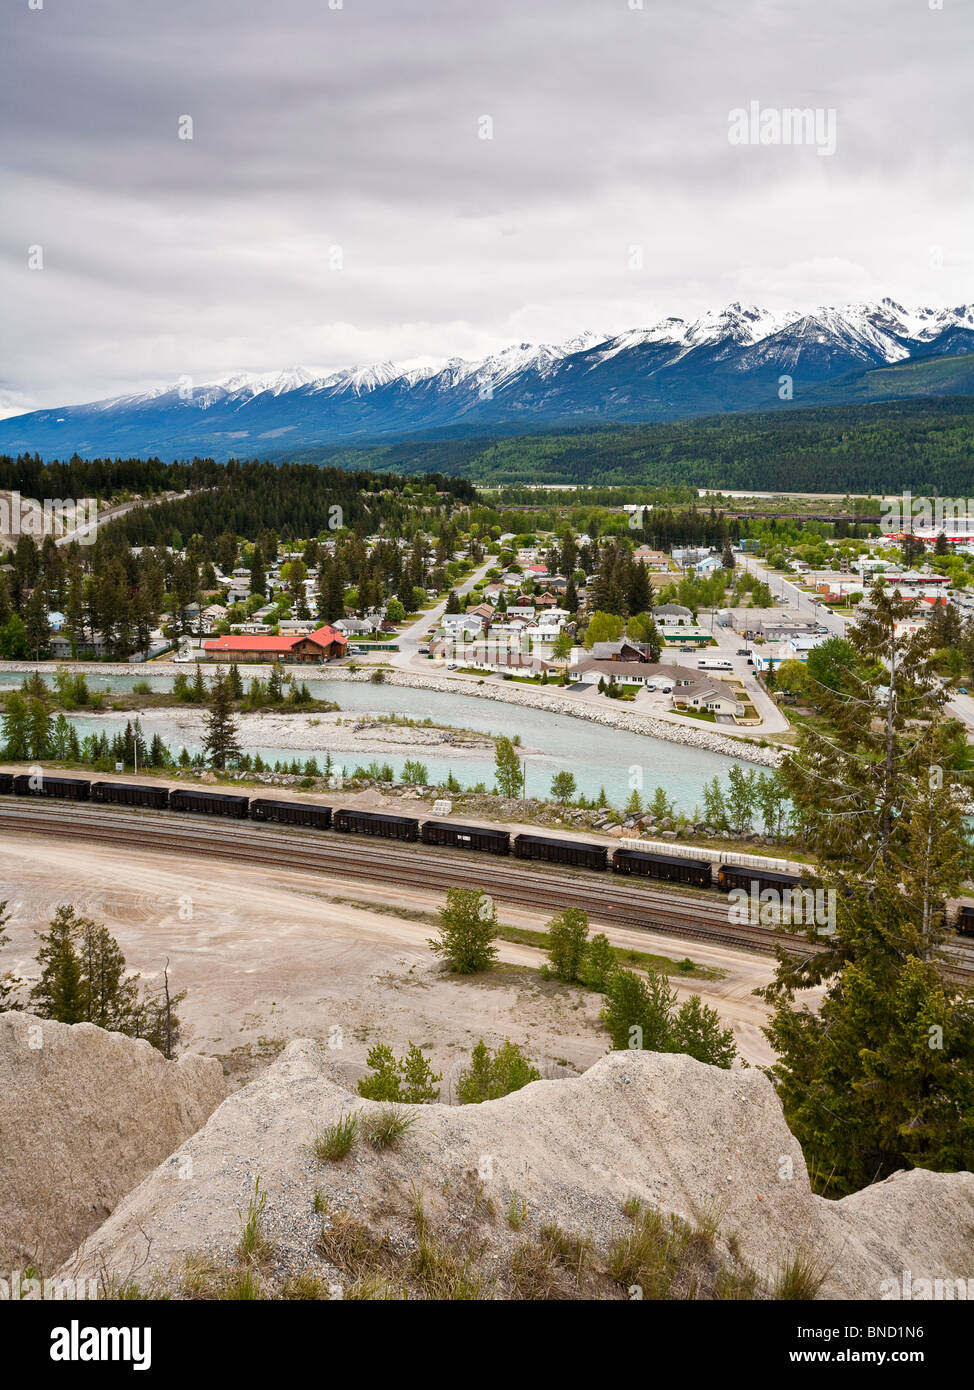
[59, 993]
[881, 1076]
[221, 744]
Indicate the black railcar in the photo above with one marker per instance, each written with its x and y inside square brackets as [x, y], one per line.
[130, 794]
[6, 783]
[574, 852]
[731, 876]
[372, 823]
[291, 812]
[670, 867]
[441, 832]
[67, 788]
[207, 803]
[965, 920]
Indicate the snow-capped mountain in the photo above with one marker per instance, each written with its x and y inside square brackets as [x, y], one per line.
[723, 361]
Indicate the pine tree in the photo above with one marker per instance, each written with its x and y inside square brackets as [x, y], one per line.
[490, 1077]
[16, 728]
[637, 1011]
[198, 688]
[110, 998]
[419, 1080]
[881, 1077]
[59, 993]
[410, 1079]
[850, 776]
[38, 729]
[221, 744]
[36, 622]
[258, 578]
[234, 681]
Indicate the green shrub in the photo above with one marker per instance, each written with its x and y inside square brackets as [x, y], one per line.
[490, 1077]
[409, 1079]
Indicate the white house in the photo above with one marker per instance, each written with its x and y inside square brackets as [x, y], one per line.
[712, 695]
[673, 615]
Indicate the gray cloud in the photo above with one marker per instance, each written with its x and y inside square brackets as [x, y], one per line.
[316, 128]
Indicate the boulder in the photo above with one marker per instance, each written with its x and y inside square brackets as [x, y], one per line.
[84, 1115]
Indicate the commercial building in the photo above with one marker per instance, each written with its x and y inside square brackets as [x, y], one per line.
[312, 648]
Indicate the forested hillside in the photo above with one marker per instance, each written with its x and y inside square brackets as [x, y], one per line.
[920, 444]
[926, 445]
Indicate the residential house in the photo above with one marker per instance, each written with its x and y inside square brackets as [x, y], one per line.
[483, 611]
[625, 649]
[713, 695]
[707, 565]
[590, 669]
[673, 615]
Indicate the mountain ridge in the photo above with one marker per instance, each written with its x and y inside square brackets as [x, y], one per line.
[740, 358]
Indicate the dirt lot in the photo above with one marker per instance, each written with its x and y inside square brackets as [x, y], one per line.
[266, 961]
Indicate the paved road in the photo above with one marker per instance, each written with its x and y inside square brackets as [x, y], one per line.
[412, 638]
[959, 706]
[120, 510]
[799, 604]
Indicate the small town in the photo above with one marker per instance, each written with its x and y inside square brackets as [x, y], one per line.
[486, 675]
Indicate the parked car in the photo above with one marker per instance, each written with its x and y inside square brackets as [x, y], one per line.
[356, 651]
[664, 686]
[183, 657]
[743, 651]
[451, 665]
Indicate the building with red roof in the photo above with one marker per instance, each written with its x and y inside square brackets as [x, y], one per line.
[308, 648]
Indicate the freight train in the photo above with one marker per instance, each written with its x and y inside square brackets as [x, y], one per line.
[643, 863]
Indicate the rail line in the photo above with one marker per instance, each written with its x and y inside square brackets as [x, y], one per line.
[524, 885]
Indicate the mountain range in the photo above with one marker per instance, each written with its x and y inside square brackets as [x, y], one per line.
[740, 359]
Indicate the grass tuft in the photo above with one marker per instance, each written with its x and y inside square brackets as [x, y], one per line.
[384, 1128]
[331, 1143]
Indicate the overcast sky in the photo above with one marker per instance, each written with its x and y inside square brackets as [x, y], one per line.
[359, 128]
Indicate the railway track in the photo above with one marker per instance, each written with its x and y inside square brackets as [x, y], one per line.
[523, 884]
